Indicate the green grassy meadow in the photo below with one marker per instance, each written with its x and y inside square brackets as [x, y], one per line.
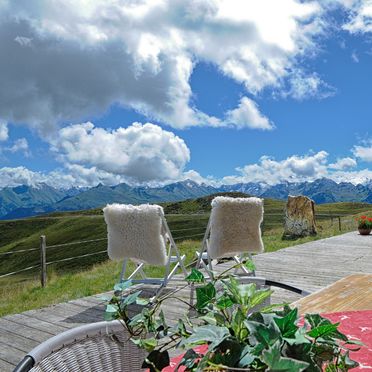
[94, 274]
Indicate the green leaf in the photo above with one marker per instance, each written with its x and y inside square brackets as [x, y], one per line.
[188, 360]
[209, 318]
[142, 301]
[130, 299]
[246, 291]
[298, 338]
[232, 287]
[331, 368]
[161, 325]
[345, 363]
[246, 357]
[260, 296]
[156, 360]
[224, 302]
[207, 334]
[111, 312]
[123, 285]
[323, 330]
[195, 276]
[181, 328]
[263, 334]
[237, 324]
[315, 321]
[276, 362]
[205, 295]
[149, 344]
[287, 324]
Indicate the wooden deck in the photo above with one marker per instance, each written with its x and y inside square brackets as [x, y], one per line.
[310, 266]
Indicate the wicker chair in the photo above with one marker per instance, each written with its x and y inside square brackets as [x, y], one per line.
[102, 346]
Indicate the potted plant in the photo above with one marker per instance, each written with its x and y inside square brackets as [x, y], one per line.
[364, 225]
[234, 335]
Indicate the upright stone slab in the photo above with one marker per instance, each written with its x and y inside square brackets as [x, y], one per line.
[299, 217]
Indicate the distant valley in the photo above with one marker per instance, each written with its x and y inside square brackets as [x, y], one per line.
[24, 201]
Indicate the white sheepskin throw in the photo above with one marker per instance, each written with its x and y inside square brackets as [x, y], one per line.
[136, 232]
[235, 226]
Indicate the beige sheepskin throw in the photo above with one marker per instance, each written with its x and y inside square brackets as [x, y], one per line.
[136, 232]
[235, 226]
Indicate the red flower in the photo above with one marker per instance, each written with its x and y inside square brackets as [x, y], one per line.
[370, 219]
[363, 217]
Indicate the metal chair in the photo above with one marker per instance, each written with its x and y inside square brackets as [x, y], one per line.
[239, 242]
[127, 239]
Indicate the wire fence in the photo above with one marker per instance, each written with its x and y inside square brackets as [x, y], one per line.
[179, 234]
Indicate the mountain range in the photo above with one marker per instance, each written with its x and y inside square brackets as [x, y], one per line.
[25, 201]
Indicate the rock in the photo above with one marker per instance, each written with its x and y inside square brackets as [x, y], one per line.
[299, 217]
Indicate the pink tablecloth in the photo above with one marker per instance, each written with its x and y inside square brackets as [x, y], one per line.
[356, 325]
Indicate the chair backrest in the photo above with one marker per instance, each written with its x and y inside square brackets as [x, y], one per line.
[235, 226]
[91, 347]
[136, 232]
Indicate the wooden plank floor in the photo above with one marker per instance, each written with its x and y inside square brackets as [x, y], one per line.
[310, 266]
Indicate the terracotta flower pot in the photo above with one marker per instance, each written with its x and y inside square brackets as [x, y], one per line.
[364, 231]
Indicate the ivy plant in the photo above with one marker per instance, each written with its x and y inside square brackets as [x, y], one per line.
[237, 336]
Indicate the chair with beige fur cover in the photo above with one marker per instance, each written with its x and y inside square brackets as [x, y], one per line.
[141, 234]
[234, 230]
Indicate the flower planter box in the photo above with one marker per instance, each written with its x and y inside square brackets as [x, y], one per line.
[364, 231]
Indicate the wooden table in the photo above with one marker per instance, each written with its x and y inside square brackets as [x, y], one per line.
[353, 292]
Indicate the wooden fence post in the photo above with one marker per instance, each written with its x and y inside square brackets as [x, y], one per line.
[43, 260]
[339, 223]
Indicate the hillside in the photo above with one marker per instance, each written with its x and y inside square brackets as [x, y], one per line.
[187, 219]
[26, 201]
[89, 275]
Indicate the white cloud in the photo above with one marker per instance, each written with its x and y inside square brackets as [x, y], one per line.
[293, 169]
[141, 153]
[355, 177]
[4, 134]
[19, 176]
[364, 152]
[20, 145]
[343, 163]
[267, 171]
[360, 20]
[64, 60]
[302, 86]
[247, 114]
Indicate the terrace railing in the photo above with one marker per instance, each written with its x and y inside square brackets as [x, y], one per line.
[195, 233]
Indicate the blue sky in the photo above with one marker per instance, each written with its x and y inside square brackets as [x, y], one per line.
[230, 92]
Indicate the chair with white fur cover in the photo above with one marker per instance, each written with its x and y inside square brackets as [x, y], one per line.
[141, 234]
[234, 230]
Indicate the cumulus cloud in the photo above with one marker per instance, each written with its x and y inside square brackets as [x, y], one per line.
[64, 60]
[355, 177]
[11, 177]
[364, 152]
[141, 152]
[247, 114]
[4, 134]
[293, 169]
[267, 171]
[343, 163]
